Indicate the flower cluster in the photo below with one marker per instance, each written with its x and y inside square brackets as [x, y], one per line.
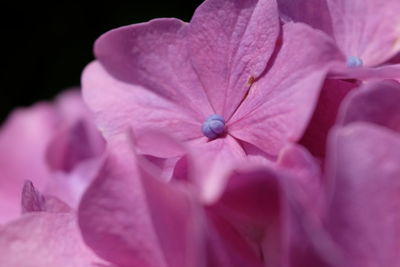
[261, 133]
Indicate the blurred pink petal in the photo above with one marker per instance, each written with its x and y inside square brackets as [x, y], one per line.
[55, 145]
[363, 218]
[375, 102]
[332, 94]
[43, 239]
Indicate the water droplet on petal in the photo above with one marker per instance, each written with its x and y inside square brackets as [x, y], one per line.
[354, 62]
[213, 126]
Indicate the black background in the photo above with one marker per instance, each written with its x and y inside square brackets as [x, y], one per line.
[45, 46]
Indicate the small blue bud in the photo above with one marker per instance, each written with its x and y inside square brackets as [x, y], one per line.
[353, 62]
[213, 126]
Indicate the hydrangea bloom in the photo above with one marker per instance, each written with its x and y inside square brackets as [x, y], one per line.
[233, 60]
[223, 104]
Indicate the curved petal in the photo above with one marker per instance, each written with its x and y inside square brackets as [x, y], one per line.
[230, 43]
[130, 218]
[332, 94]
[44, 240]
[212, 163]
[154, 55]
[280, 104]
[119, 106]
[254, 203]
[375, 102]
[364, 170]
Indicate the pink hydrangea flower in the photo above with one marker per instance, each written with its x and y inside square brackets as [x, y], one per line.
[233, 61]
[366, 32]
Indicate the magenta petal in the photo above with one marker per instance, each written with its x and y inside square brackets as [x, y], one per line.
[324, 117]
[33, 201]
[44, 240]
[132, 220]
[230, 44]
[213, 162]
[119, 106]
[280, 103]
[375, 102]
[254, 204]
[154, 55]
[363, 216]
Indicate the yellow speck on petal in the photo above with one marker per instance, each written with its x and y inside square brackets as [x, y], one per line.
[251, 80]
[396, 46]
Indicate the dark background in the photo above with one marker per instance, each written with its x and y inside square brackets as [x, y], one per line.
[46, 46]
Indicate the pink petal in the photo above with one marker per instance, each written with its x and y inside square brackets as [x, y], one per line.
[324, 116]
[230, 44]
[44, 240]
[154, 55]
[119, 106]
[375, 102]
[131, 219]
[363, 216]
[226, 246]
[280, 103]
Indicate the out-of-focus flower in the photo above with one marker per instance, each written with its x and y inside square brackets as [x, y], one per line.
[259, 82]
[367, 32]
[54, 145]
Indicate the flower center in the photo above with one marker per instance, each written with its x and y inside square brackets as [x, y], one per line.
[353, 62]
[213, 126]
